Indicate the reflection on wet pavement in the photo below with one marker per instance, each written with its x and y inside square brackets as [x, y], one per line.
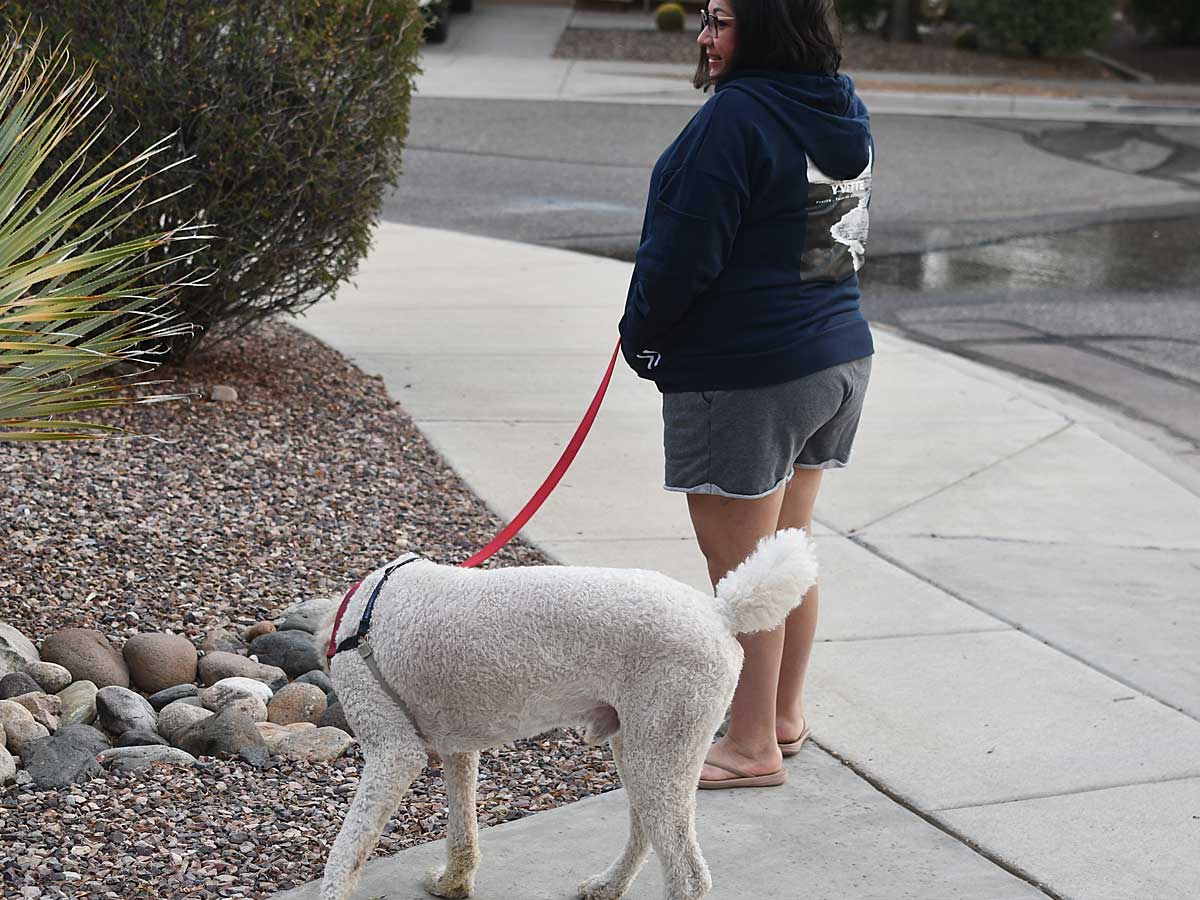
[1111, 312]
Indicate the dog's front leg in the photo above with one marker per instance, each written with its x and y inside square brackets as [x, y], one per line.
[457, 877]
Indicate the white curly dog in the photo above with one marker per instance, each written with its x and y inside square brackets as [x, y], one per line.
[484, 657]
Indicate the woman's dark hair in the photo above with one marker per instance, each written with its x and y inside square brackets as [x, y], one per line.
[793, 35]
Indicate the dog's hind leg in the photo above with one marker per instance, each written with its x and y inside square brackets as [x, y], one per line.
[390, 768]
[615, 880]
[457, 877]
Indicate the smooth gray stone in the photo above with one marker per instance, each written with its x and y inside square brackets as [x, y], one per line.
[16, 650]
[318, 677]
[14, 684]
[141, 739]
[134, 759]
[226, 732]
[306, 616]
[120, 709]
[826, 834]
[293, 651]
[65, 757]
[170, 695]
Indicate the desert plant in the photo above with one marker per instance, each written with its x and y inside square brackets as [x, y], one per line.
[1040, 27]
[1174, 21]
[293, 115]
[74, 299]
[670, 17]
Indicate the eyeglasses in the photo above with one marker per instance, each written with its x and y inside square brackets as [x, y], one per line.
[712, 23]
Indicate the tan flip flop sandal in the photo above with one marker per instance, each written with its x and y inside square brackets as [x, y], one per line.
[791, 748]
[741, 779]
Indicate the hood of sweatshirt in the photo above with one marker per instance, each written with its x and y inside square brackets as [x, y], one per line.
[822, 112]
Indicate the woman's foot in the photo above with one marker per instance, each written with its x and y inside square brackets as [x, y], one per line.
[724, 758]
[791, 729]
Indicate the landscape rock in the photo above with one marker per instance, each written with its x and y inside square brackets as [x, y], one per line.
[50, 677]
[293, 651]
[335, 717]
[160, 661]
[140, 738]
[16, 683]
[78, 704]
[8, 767]
[16, 650]
[251, 706]
[220, 640]
[258, 629]
[21, 730]
[88, 656]
[133, 759]
[45, 708]
[164, 697]
[258, 757]
[219, 664]
[308, 615]
[318, 677]
[297, 703]
[226, 690]
[223, 393]
[176, 718]
[120, 709]
[226, 732]
[66, 757]
[316, 745]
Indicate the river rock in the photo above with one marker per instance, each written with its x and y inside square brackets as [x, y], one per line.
[219, 665]
[160, 661]
[226, 690]
[335, 717]
[88, 656]
[133, 759]
[50, 677]
[66, 757]
[226, 732]
[16, 650]
[318, 677]
[120, 709]
[21, 730]
[293, 651]
[307, 615]
[170, 695]
[8, 767]
[78, 704]
[297, 703]
[14, 684]
[221, 640]
[45, 708]
[141, 738]
[315, 745]
[258, 629]
[175, 718]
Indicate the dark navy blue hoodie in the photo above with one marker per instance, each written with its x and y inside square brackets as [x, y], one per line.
[755, 226]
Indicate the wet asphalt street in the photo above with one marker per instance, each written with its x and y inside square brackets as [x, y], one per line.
[1065, 252]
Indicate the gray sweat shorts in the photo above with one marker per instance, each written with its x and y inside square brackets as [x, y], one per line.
[745, 443]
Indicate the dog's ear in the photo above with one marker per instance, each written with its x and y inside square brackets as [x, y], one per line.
[324, 635]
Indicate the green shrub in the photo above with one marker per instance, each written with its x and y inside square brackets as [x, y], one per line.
[1039, 26]
[1176, 21]
[670, 17]
[294, 113]
[966, 38]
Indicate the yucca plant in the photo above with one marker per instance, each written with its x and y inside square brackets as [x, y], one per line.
[72, 304]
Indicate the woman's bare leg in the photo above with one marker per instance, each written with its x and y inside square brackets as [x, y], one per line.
[728, 531]
[801, 627]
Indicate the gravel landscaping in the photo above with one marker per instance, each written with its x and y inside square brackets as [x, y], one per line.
[861, 53]
[240, 509]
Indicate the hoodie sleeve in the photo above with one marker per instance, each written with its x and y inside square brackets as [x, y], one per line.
[690, 228]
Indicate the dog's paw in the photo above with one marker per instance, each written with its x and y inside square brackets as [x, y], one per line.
[600, 887]
[453, 885]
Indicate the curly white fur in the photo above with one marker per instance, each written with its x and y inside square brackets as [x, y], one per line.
[484, 657]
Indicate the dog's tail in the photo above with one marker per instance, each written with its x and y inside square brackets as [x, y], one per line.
[770, 583]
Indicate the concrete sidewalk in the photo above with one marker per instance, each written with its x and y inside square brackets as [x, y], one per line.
[504, 51]
[1004, 696]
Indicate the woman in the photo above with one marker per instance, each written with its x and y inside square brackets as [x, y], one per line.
[744, 310]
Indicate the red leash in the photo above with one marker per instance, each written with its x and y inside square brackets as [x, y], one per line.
[510, 530]
[560, 468]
